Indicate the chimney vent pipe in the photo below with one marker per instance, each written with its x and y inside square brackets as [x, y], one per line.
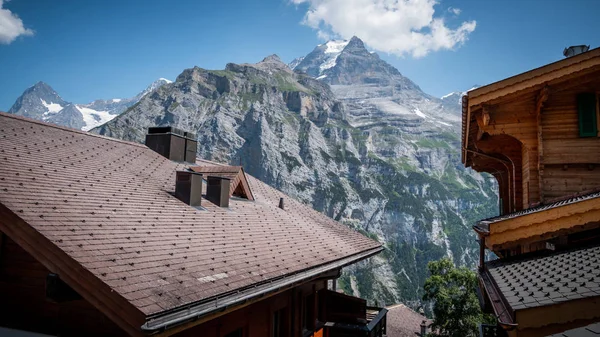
[281, 204]
[172, 143]
[188, 187]
[217, 190]
[423, 329]
[575, 50]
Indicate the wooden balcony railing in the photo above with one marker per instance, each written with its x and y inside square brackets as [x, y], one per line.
[374, 325]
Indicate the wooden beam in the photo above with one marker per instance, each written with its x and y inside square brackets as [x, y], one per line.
[542, 97]
[539, 223]
[534, 78]
[481, 252]
[483, 117]
[467, 132]
[546, 236]
[96, 292]
[1, 246]
[581, 310]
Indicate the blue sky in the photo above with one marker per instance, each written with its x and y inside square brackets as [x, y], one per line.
[107, 49]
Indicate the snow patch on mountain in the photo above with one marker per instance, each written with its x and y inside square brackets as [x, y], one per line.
[333, 49]
[52, 108]
[43, 103]
[295, 62]
[93, 118]
[420, 114]
[458, 94]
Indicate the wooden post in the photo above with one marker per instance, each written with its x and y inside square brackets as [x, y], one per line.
[1, 246]
[481, 252]
[539, 103]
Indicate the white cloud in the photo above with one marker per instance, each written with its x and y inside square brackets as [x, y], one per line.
[398, 27]
[11, 26]
[455, 11]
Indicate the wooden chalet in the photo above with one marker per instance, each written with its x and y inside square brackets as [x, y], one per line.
[101, 237]
[538, 134]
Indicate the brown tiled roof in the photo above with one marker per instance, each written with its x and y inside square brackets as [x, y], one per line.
[108, 205]
[548, 279]
[592, 330]
[402, 321]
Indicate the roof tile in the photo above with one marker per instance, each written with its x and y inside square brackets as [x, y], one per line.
[109, 205]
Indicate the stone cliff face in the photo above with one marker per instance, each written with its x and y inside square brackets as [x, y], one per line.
[412, 151]
[371, 150]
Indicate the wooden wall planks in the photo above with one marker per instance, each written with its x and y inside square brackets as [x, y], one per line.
[24, 304]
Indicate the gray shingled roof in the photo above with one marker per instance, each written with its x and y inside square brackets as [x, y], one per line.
[592, 330]
[546, 280]
[484, 224]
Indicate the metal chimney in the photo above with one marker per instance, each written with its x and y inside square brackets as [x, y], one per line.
[424, 328]
[191, 147]
[172, 143]
[217, 190]
[575, 50]
[281, 204]
[188, 187]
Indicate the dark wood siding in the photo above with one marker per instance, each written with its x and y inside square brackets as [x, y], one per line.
[24, 304]
[257, 319]
[571, 163]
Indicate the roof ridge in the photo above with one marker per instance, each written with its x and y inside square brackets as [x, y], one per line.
[398, 305]
[55, 126]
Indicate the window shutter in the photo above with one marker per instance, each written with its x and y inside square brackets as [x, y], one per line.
[586, 107]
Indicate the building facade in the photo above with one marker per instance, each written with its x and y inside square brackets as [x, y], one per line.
[537, 134]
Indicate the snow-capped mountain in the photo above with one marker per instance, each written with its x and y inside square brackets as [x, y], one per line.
[41, 102]
[371, 150]
[372, 88]
[456, 96]
[295, 62]
[155, 85]
[323, 57]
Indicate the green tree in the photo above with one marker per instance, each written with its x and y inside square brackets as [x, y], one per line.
[452, 291]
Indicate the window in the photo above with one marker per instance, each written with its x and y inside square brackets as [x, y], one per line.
[586, 109]
[236, 333]
[279, 326]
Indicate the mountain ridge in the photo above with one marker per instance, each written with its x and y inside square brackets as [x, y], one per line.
[42, 102]
[370, 150]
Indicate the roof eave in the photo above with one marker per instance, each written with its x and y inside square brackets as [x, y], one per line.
[502, 310]
[466, 121]
[191, 313]
[535, 73]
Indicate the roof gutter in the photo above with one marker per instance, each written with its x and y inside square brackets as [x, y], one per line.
[196, 311]
[467, 111]
[502, 310]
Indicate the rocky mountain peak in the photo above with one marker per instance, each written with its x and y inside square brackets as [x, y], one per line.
[346, 62]
[42, 86]
[356, 46]
[272, 58]
[42, 102]
[271, 63]
[371, 150]
[153, 86]
[43, 90]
